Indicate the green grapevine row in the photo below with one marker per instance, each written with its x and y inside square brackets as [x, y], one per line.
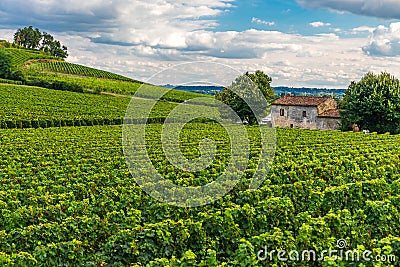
[91, 84]
[20, 56]
[33, 107]
[75, 69]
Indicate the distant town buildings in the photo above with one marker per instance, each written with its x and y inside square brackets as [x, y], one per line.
[307, 112]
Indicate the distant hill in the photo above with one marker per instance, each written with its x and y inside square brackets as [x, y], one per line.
[279, 90]
[303, 91]
[20, 56]
[201, 89]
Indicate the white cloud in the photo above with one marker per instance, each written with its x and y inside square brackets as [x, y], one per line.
[389, 9]
[363, 29]
[384, 41]
[317, 24]
[160, 23]
[263, 22]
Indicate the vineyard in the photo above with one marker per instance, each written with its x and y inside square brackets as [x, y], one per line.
[67, 199]
[75, 69]
[20, 56]
[33, 107]
[96, 85]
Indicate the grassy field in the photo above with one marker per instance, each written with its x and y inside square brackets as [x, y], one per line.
[67, 198]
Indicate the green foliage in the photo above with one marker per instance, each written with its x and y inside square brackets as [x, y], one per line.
[5, 44]
[43, 70]
[7, 70]
[53, 47]
[67, 198]
[28, 37]
[96, 85]
[245, 92]
[263, 82]
[10, 81]
[373, 103]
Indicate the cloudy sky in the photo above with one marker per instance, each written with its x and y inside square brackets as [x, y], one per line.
[316, 43]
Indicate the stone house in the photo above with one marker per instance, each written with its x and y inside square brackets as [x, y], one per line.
[307, 112]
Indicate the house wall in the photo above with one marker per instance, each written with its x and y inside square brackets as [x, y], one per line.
[294, 116]
[328, 123]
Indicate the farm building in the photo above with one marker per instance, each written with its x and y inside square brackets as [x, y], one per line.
[308, 112]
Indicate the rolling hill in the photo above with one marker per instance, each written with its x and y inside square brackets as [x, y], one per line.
[57, 93]
[42, 70]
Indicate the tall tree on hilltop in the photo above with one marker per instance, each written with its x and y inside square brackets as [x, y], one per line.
[34, 39]
[28, 37]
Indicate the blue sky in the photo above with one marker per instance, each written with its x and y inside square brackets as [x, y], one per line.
[315, 43]
[290, 17]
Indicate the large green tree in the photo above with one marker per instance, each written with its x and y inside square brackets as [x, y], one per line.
[250, 87]
[373, 103]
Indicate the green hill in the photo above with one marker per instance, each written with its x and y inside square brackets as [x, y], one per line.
[43, 70]
[54, 66]
[58, 93]
[20, 56]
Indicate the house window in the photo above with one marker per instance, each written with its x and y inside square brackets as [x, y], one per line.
[304, 114]
[282, 112]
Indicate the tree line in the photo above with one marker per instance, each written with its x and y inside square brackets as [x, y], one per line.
[31, 38]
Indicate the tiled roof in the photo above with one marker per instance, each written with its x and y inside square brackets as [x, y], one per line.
[332, 113]
[310, 101]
